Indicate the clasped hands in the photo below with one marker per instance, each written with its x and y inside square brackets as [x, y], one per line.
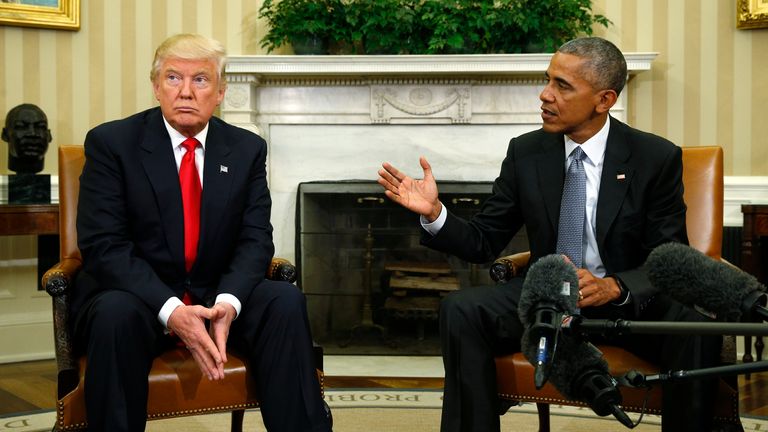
[208, 346]
[421, 197]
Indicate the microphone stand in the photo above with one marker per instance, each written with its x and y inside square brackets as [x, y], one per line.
[635, 378]
[582, 327]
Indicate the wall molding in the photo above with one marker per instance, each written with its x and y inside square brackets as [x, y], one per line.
[26, 318]
[26, 336]
[742, 190]
[18, 263]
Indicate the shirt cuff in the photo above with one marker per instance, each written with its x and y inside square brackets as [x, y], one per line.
[165, 312]
[435, 226]
[172, 303]
[230, 299]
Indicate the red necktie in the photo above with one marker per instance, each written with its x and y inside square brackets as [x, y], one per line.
[190, 197]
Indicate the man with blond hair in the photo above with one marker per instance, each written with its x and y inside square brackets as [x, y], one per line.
[174, 229]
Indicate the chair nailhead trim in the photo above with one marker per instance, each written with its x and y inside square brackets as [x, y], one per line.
[83, 426]
[203, 411]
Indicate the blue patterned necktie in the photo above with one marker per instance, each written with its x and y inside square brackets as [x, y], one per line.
[570, 231]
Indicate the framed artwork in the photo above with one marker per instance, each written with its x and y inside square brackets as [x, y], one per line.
[751, 14]
[53, 14]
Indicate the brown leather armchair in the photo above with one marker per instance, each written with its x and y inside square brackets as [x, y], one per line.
[176, 386]
[703, 182]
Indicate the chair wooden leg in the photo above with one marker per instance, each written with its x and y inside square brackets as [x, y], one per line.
[237, 420]
[543, 409]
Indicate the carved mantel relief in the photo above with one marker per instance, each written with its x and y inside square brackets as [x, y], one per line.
[427, 102]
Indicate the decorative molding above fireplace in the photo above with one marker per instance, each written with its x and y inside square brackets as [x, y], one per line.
[371, 65]
[460, 89]
[339, 117]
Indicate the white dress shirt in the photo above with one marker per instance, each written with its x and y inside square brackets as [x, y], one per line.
[178, 152]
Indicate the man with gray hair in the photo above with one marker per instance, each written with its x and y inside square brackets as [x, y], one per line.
[629, 200]
[173, 224]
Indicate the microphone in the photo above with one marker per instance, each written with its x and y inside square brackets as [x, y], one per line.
[693, 278]
[550, 290]
[578, 371]
[581, 373]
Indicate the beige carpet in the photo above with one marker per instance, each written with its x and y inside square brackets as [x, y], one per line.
[385, 410]
[402, 420]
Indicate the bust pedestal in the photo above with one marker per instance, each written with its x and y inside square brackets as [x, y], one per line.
[29, 189]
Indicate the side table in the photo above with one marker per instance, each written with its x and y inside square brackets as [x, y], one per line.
[41, 220]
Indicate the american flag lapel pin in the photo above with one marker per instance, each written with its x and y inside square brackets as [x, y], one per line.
[223, 169]
[621, 176]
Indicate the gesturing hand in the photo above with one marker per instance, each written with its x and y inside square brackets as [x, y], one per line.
[188, 323]
[419, 196]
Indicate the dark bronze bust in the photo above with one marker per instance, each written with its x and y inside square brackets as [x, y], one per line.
[27, 134]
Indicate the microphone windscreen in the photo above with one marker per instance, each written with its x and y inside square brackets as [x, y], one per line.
[572, 358]
[549, 280]
[692, 277]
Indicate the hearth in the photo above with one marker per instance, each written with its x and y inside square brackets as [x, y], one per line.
[371, 287]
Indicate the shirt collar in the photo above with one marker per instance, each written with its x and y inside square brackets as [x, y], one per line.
[177, 138]
[593, 147]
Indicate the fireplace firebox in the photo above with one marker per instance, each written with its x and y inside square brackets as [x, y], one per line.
[351, 241]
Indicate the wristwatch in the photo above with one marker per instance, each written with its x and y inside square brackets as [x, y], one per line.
[624, 293]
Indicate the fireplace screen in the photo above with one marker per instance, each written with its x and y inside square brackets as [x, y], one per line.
[371, 288]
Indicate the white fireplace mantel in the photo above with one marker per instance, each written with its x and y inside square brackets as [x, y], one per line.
[420, 89]
[376, 65]
[340, 117]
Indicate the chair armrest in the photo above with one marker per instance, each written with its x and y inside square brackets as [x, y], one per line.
[59, 278]
[58, 281]
[281, 270]
[510, 266]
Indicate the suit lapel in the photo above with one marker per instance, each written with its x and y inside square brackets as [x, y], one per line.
[160, 167]
[551, 173]
[217, 182]
[614, 181]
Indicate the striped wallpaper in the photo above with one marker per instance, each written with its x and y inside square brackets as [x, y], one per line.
[705, 87]
[708, 86]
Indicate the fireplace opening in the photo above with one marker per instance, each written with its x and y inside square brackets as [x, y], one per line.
[371, 288]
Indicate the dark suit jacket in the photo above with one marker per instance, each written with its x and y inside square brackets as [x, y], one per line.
[640, 204]
[130, 219]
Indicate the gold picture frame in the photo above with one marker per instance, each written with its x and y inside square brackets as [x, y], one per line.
[751, 14]
[63, 15]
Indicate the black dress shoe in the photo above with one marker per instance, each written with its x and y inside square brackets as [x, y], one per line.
[505, 405]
